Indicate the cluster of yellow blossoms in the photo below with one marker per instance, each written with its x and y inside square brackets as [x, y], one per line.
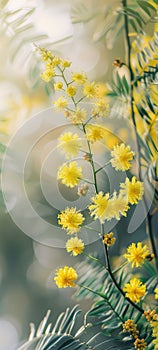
[130, 327]
[74, 88]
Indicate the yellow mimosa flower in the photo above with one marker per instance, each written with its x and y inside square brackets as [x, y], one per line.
[65, 277]
[135, 290]
[75, 246]
[136, 254]
[70, 219]
[133, 189]
[70, 174]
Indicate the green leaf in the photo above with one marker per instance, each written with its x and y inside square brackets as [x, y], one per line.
[134, 14]
[62, 336]
[150, 104]
[143, 112]
[133, 25]
[143, 6]
[150, 139]
[147, 4]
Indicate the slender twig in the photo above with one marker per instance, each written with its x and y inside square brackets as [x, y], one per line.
[128, 62]
[91, 161]
[108, 267]
[102, 167]
[94, 259]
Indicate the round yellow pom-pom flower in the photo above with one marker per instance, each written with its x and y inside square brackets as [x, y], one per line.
[61, 103]
[133, 189]
[70, 174]
[89, 90]
[79, 78]
[100, 207]
[78, 116]
[121, 157]
[71, 90]
[75, 246]
[47, 75]
[156, 293]
[94, 133]
[135, 290]
[65, 277]
[136, 254]
[70, 219]
[69, 143]
[58, 85]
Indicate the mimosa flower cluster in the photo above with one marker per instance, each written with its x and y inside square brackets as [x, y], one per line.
[74, 91]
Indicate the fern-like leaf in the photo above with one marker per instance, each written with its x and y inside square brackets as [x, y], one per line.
[62, 336]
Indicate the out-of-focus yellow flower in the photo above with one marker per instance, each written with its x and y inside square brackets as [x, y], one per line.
[70, 174]
[89, 90]
[110, 139]
[101, 108]
[121, 157]
[18, 112]
[71, 90]
[65, 63]
[154, 4]
[109, 239]
[136, 254]
[46, 55]
[71, 220]
[47, 75]
[117, 206]
[65, 277]
[70, 144]
[156, 293]
[135, 290]
[78, 116]
[123, 134]
[150, 315]
[75, 246]
[133, 189]
[94, 133]
[58, 85]
[56, 61]
[79, 78]
[99, 208]
[100, 90]
[154, 325]
[61, 103]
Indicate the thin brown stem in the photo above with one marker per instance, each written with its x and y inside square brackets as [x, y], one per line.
[108, 267]
[91, 162]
